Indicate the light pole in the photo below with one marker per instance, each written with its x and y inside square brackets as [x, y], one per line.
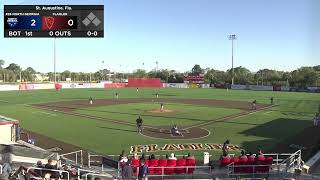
[102, 71]
[232, 37]
[157, 68]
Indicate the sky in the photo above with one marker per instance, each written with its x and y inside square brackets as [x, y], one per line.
[274, 34]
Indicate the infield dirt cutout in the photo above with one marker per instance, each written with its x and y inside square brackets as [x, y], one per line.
[188, 132]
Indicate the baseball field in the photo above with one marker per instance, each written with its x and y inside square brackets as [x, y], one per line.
[65, 119]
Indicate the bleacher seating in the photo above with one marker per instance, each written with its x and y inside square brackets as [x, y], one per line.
[248, 165]
[166, 166]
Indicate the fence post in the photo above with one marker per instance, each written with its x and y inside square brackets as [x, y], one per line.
[89, 159]
[76, 158]
[254, 167]
[81, 158]
[162, 173]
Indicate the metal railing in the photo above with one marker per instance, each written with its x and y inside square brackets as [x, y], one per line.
[93, 175]
[282, 165]
[166, 171]
[115, 157]
[76, 154]
[254, 170]
[50, 170]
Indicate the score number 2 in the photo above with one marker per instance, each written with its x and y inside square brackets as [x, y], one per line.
[33, 22]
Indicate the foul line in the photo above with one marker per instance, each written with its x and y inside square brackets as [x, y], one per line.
[242, 114]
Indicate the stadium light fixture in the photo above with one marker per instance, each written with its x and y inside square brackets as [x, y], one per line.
[232, 37]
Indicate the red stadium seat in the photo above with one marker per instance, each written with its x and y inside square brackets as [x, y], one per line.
[161, 163]
[135, 164]
[248, 168]
[147, 162]
[170, 166]
[260, 161]
[268, 163]
[190, 163]
[152, 164]
[234, 161]
[242, 161]
[225, 161]
[181, 162]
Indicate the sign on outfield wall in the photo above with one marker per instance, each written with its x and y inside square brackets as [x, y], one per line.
[180, 147]
[175, 85]
[9, 87]
[251, 87]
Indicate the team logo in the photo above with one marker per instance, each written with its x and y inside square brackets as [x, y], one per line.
[12, 22]
[49, 22]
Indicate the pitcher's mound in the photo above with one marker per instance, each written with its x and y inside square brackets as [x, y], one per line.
[165, 111]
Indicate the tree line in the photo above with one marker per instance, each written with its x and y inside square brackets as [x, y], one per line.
[301, 77]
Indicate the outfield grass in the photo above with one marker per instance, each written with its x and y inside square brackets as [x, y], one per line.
[293, 113]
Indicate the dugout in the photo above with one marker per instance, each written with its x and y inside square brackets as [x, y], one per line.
[8, 129]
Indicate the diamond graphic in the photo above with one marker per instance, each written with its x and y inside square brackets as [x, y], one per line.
[91, 16]
[96, 21]
[86, 21]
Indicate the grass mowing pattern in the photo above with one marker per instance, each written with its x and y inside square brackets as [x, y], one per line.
[293, 113]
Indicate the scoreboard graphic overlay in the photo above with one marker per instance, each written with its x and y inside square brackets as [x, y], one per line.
[55, 21]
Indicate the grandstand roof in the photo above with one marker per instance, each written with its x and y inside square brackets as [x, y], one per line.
[6, 120]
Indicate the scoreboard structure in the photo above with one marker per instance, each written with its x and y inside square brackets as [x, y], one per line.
[56, 21]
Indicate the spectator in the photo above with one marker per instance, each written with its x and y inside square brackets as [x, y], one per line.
[39, 171]
[173, 156]
[251, 155]
[142, 157]
[143, 171]
[161, 157]
[123, 158]
[65, 174]
[224, 155]
[260, 154]
[152, 157]
[51, 165]
[190, 156]
[6, 158]
[18, 132]
[225, 147]
[243, 154]
[121, 155]
[167, 156]
[127, 171]
[135, 156]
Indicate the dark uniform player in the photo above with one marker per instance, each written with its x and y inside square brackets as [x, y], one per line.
[139, 122]
[254, 105]
[91, 100]
[271, 100]
[161, 107]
